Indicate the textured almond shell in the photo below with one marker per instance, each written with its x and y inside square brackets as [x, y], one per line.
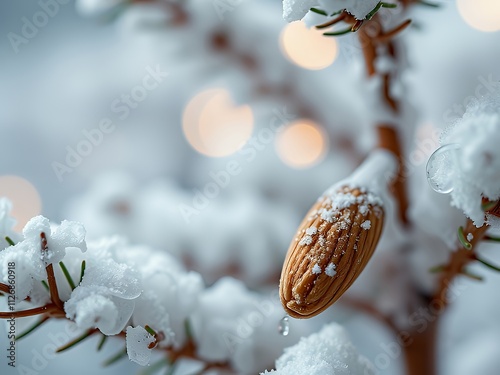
[342, 242]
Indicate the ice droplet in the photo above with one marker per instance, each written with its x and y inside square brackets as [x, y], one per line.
[284, 326]
[441, 168]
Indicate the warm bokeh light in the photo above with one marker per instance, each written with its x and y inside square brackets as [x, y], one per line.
[483, 15]
[213, 125]
[307, 48]
[302, 144]
[26, 202]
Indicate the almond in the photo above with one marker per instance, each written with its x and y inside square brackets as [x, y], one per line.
[333, 244]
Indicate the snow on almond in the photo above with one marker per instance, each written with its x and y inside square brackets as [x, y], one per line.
[316, 269]
[331, 270]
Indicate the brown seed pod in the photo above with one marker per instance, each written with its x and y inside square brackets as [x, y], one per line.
[333, 244]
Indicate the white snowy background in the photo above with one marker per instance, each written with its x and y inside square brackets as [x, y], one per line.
[65, 79]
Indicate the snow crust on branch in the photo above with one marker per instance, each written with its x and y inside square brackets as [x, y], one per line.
[474, 168]
[294, 10]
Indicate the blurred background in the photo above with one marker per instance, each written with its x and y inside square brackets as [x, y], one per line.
[208, 128]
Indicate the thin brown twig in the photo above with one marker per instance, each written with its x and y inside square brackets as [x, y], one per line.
[51, 278]
[387, 93]
[336, 20]
[389, 140]
[388, 35]
[369, 50]
[51, 309]
[371, 310]
[4, 288]
[458, 260]
[357, 25]
[388, 134]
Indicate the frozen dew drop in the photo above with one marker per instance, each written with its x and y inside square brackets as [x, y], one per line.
[284, 326]
[440, 168]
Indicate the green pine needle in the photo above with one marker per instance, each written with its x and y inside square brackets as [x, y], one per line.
[319, 11]
[121, 354]
[82, 272]
[187, 328]
[370, 15]
[472, 276]
[101, 343]
[488, 205]
[150, 330]
[68, 276]
[432, 5]
[488, 264]
[340, 32]
[492, 238]
[79, 339]
[9, 241]
[437, 269]
[461, 237]
[32, 328]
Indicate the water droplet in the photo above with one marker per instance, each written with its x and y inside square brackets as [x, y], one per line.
[284, 326]
[441, 168]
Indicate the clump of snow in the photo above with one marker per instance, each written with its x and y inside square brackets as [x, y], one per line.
[311, 231]
[217, 322]
[475, 168]
[234, 324]
[138, 341]
[366, 224]
[294, 10]
[321, 240]
[327, 352]
[105, 297]
[316, 269]
[331, 270]
[363, 210]
[170, 292]
[30, 261]
[328, 215]
[306, 240]
[68, 234]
